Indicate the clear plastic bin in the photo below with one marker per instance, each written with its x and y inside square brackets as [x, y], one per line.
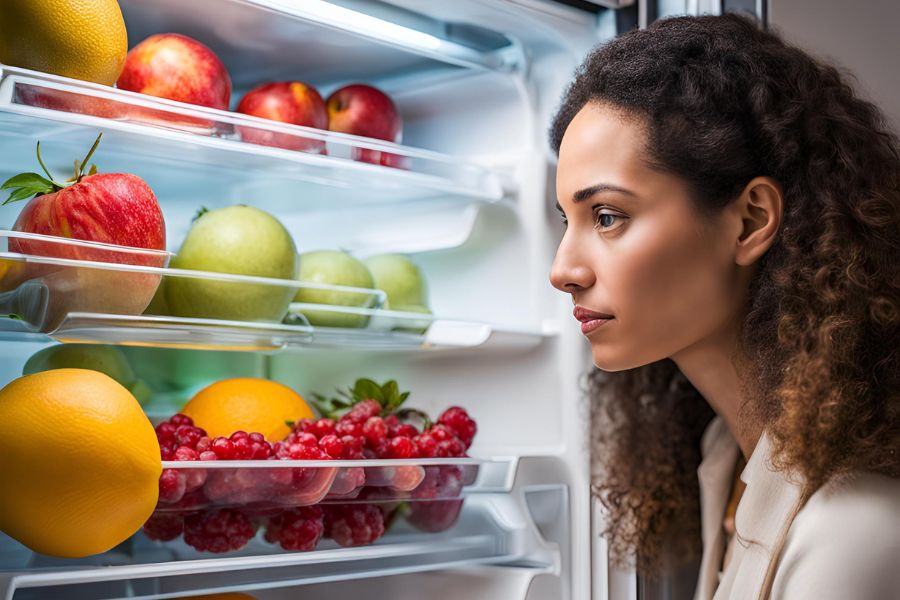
[45, 280]
[197, 498]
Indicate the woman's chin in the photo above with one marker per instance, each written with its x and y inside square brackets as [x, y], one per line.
[610, 360]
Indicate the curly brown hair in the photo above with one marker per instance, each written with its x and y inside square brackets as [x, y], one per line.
[723, 102]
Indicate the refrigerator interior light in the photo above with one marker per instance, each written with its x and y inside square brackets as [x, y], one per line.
[362, 24]
[346, 18]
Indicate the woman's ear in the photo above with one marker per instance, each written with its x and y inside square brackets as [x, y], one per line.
[760, 208]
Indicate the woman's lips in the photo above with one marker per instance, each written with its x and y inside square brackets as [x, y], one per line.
[591, 320]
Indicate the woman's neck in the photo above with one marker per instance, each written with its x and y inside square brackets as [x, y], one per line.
[710, 367]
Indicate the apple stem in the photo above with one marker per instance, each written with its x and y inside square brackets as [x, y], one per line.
[43, 166]
[79, 170]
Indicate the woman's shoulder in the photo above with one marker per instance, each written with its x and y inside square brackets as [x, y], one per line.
[844, 542]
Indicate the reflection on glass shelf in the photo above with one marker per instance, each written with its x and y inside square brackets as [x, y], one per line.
[491, 529]
[33, 105]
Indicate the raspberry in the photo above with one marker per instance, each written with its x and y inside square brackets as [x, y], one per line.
[426, 445]
[223, 448]
[186, 453]
[362, 411]
[302, 425]
[400, 447]
[299, 451]
[348, 428]
[296, 529]
[243, 447]
[354, 524]
[434, 516]
[179, 419]
[307, 439]
[209, 455]
[451, 448]
[375, 431]
[164, 526]
[459, 422]
[347, 481]
[166, 453]
[218, 530]
[406, 430]
[439, 482]
[203, 444]
[260, 450]
[392, 423]
[332, 445]
[165, 434]
[322, 427]
[441, 433]
[353, 447]
[257, 437]
[188, 435]
[172, 486]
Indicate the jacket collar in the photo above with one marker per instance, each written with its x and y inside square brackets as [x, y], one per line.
[772, 497]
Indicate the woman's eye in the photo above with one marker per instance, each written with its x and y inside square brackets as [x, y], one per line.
[606, 220]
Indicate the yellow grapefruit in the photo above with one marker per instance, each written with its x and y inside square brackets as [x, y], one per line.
[248, 404]
[83, 39]
[80, 468]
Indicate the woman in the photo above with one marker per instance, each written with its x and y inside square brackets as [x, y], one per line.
[733, 249]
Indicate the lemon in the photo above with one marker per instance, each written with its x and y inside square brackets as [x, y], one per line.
[82, 39]
[81, 466]
[247, 404]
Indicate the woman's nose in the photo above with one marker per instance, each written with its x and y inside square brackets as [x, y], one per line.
[569, 272]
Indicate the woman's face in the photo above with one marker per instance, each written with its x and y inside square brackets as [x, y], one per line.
[649, 276]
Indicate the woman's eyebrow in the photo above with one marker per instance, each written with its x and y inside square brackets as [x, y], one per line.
[587, 192]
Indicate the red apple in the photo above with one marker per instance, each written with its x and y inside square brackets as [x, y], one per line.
[289, 102]
[364, 110]
[111, 208]
[367, 111]
[173, 66]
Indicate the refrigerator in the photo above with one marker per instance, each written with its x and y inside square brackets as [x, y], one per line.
[469, 196]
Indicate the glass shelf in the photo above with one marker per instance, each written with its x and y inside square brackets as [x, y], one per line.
[350, 39]
[143, 132]
[75, 291]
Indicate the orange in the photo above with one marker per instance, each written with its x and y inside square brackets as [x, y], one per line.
[83, 39]
[247, 404]
[80, 462]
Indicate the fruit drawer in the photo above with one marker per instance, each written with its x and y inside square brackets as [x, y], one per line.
[144, 129]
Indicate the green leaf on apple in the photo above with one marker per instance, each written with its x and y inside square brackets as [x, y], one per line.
[26, 185]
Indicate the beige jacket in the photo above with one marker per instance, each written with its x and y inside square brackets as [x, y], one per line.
[842, 544]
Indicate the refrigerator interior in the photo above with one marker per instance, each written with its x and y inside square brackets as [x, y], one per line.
[476, 83]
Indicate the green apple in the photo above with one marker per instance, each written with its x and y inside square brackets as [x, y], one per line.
[158, 304]
[414, 326]
[335, 268]
[108, 360]
[400, 278]
[241, 240]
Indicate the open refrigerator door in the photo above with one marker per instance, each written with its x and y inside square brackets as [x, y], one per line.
[467, 194]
